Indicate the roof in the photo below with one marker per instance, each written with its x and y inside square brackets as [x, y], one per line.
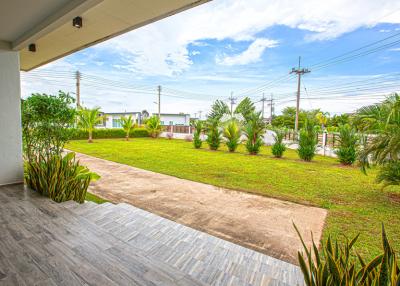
[119, 113]
[173, 114]
[48, 24]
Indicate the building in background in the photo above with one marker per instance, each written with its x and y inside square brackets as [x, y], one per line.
[112, 119]
[174, 119]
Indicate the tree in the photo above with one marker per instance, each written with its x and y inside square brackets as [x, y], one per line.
[347, 151]
[383, 148]
[254, 131]
[198, 126]
[322, 118]
[153, 125]
[213, 134]
[127, 124]
[218, 109]
[246, 108]
[307, 142]
[88, 119]
[231, 132]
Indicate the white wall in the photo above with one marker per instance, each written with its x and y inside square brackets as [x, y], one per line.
[110, 117]
[11, 164]
[176, 119]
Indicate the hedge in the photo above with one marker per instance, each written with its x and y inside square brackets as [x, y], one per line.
[104, 133]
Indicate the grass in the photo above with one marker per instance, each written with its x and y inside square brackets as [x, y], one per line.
[93, 198]
[356, 204]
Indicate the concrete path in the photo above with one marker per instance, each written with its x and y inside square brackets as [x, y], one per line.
[253, 221]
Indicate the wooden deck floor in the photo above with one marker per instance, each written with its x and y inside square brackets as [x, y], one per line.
[45, 243]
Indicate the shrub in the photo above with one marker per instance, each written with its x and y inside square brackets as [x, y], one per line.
[198, 126]
[60, 178]
[389, 174]
[307, 142]
[335, 264]
[254, 130]
[153, 126]
[46, 122]
[105, 133]
[232, 134]
[347, 151]
[213, 134]
[278, 148]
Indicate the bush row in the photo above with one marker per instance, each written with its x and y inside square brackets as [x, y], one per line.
[104, 133]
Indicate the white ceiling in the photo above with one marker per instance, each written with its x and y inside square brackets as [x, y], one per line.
[20, 16]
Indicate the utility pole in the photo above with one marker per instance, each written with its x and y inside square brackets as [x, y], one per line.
[232, 100]
[200, 114]
[159, 101]
[271, 106]
[299, 71]
[78, 88]
[263, 100]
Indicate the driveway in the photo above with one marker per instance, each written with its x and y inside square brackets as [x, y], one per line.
[257, 222]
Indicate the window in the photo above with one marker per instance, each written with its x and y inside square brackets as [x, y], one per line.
[116, 123]
[171, 123]
[162, 122]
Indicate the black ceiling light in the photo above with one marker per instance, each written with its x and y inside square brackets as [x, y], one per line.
[77, 22]
[32, 48]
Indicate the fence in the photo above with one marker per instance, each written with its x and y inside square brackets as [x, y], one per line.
[178, 129]
[332, 139]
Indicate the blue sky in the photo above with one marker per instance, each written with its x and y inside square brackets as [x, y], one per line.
[223, 46]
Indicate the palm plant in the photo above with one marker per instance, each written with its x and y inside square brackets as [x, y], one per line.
[347, 151]
[198, 126]
[127, 124]
[88, 119]
[383, 149]
[213, 134]
[307, 142]
[322, 118]
[153, 126]
[231, 133]
[335, 264]
[254, 131]
[246, 108]
[218, 109]
[278, 148]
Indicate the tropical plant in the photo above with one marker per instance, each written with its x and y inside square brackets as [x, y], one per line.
[389, 174]
[218, 109]
[153, 125]
[335, 264]
[383, 148]
[278, 148]
[231, 133]
[198, 126]
[88, 119]
[254, 131]
[213, 134]
[46, 125]
[307, 142]
[322, 118]
[246, 108]
[127, 124]
[347, 151]
[59, 177]
[46, 122]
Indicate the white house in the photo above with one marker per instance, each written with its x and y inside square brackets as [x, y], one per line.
[113, 118]
[182, 119]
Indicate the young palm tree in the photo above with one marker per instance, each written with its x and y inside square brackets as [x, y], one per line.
[382, 120]
[213, 134]
[322, 118]
[254, 131]
[278, 148]
[307, 142]
[198, 126]
[127, 124]
[153, 125]
[88, 119]
[348, 141]
[231, 133]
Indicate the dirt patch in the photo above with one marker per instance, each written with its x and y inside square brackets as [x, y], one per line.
[254, 221]
[394, 197]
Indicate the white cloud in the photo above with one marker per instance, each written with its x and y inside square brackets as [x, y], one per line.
[162, 47]
[395, 50]
[251, 55]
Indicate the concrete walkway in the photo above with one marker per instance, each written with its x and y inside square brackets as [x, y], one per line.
[253, 221]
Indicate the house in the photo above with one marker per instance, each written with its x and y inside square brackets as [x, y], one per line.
[174, 119]
[112, 119]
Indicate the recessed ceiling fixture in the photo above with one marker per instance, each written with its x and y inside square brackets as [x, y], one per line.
[32, 48]
[77, 22]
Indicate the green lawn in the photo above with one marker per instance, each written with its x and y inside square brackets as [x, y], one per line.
[355, 202]
[93, 198]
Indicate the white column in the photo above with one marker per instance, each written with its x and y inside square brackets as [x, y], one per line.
[11, 163]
